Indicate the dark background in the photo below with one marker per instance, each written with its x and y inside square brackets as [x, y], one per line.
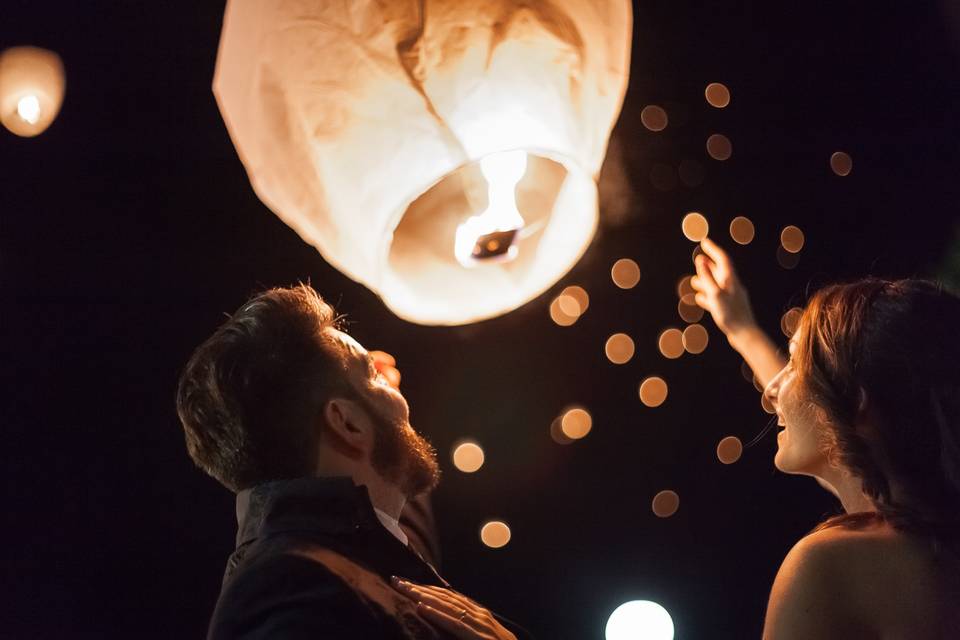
[129, 228]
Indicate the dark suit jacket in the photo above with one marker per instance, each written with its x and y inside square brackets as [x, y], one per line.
[314, 562]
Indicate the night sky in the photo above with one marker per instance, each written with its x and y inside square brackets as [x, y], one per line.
[129, 228]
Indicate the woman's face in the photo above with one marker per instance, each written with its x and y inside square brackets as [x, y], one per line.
[800, 443]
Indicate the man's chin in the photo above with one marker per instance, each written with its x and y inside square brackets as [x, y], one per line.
[422, 476]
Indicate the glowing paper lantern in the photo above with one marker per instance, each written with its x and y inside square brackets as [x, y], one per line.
[446, 158]
[31, 89]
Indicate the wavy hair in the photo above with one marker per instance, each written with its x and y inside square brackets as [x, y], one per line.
[249, 396]
[890, 347]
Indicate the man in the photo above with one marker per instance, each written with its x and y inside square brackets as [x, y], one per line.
[297, 418]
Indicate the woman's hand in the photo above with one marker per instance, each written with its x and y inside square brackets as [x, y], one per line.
[454, 612]
[719, 291]
[386, 364]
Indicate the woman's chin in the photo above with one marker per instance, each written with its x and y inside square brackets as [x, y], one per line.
[781, 459]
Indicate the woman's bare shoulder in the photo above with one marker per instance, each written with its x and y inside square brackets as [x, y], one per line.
[872, 579]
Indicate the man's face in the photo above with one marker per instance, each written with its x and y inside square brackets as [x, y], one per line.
[400, 454]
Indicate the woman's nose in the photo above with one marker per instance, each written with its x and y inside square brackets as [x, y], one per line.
[772, 391]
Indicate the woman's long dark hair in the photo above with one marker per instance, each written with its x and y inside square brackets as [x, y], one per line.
[892, 347]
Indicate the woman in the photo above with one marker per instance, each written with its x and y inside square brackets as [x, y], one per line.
[869, 405]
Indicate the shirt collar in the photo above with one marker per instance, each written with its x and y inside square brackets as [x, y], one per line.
[392, 525]
[321, 505]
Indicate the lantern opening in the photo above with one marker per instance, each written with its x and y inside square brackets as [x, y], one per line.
[500, 259]
[491, 234]
[28, 108]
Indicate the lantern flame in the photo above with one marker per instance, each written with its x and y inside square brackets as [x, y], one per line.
[502, 171]
[28, 108]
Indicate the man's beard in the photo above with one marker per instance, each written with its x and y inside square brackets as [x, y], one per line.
[402, 456]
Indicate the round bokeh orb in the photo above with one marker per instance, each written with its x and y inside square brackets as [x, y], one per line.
[639, 620]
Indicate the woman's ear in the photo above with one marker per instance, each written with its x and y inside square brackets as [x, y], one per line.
[347, 427]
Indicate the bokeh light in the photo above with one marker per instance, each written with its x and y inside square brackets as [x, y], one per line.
[688, 309]
[665, 503]
[719, 147]
[684, 287]
[557, 434]
[576, 423]
[695, 338]
[671, 343]
[695, 226]
[495, 534]
[557, 313]
[639, 620]
[619, 348]
[729, 450]
[791, 239]
[789, 321]
[468, 456]
[580, 295]
[691, 173]
[717, 95]
[746, 371]
[653, 391]
[663, 177]
[766, 404]
[841, 163]
[786, 259]
[741, 230]
[569, 305]
[654, 117]
[625, 273]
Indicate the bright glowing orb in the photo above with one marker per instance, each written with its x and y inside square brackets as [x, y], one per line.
[495, 534]
[28, 108]
[468, 457]
[639, 620]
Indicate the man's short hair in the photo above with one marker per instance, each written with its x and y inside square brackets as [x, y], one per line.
[250, 396]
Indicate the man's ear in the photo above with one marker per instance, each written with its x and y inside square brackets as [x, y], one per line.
[348, 427]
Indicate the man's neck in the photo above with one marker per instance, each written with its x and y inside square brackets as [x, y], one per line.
[385, 497]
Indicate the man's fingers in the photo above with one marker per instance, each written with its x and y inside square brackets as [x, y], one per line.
[702, 300]
[459, 628]
[392, 374]
[382, 357]
[458, 600]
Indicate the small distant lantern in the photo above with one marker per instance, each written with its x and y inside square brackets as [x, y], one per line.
[445, 155]
[31, 89]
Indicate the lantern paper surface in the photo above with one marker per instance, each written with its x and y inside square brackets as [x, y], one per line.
[31, 89]
[378, 130]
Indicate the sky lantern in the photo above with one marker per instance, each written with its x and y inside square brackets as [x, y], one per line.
[31, 89]
[444, 154]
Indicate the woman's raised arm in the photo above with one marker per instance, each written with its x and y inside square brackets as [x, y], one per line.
[719, 291]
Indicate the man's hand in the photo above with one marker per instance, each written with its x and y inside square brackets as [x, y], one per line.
[720, 291]
[454, 612]
[386, 364]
